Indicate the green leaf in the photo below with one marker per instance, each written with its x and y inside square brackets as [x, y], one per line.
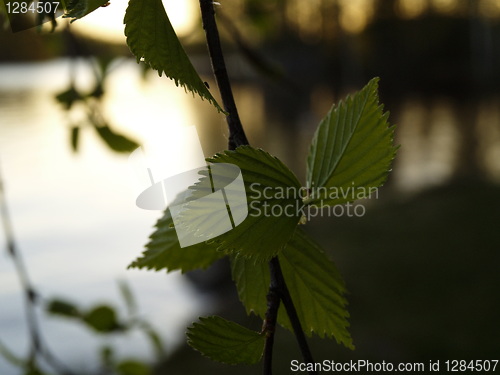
[252, 281]
[164, 252]
[115, 141]
[103, 319]
[225, 341]
[213, 206]
[64, 308]
[315, 286]
[132, 367]
[261, 235]
[317, 289]
[77, 9]
[273, 204]
[352, 150]
[152, 39]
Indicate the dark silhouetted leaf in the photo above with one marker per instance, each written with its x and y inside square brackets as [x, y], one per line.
[152, 39]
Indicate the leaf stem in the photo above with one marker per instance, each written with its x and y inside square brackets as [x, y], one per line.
[237, 135]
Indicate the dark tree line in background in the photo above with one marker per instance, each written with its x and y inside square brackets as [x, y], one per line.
[315, 51]
[438, 54]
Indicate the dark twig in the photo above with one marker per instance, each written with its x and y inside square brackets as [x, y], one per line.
[269, 326]
[256, 59]
[30, 295]
[277, 289]
[291, 311]
[237, 135]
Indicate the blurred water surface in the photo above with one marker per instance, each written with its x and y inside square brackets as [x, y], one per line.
[74, 215]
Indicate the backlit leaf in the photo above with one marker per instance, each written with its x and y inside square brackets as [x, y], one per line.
[164, 252]
[273, 199]
[270, 221]
[252, 281]
[317, 289]
[352, 150]
[315, 286]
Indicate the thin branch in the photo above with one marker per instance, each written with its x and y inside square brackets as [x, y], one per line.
[292, 312]
[269, 326]
[237, 135]
[29, 292]
[30, 295]
[277, 289]
[256, 59]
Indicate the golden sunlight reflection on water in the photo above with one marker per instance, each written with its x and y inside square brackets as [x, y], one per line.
[74, 215]
[107, 22]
